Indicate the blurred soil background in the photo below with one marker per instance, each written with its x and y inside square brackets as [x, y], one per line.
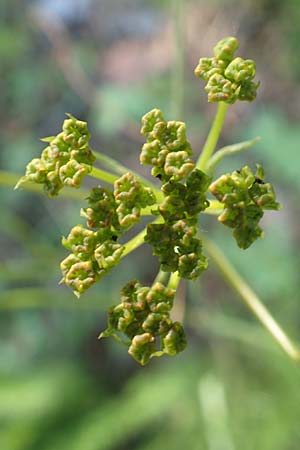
[109, 62]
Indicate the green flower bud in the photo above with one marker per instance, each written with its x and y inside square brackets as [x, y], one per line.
[228, 78]
[248, 91]
[245, 197]
[142, 348]
[226, 48]
[131, 196]
[177, 248]
[208, 67]
[80, 276]
[75, 132]
[101, 212]
[178, 165]
[196, 187]
[36, 172]
[221, 89]
[108, 254]
[143, 316]
[72, 173]
[175, 340]
[81, 242]
[240, 70]
[154, 153]
[167, 148]
[149, 120]
[191, 265]
[53, 183]
[65, 161]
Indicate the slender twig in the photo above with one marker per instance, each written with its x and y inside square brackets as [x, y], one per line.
[228, 151]
[250, 299]
[213, 136]
[138, 240]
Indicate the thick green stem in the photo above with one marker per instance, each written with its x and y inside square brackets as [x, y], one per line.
[137, 240]
[161, 277]
[103, 175]
[174, 280]
[250, 299]
[213, 136]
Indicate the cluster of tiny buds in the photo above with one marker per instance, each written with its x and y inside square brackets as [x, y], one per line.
[245, 196]
[143, 317]
[65, 161]
[142, 320]
[174, 241]
[110, 213]
[228, 79]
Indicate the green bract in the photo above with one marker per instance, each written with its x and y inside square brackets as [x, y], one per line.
[143, 317]
[245, 197]
[228, 79]
[65, 161]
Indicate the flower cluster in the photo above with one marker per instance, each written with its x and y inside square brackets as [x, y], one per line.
[110, 213]
[174, 241]
[94, 253]
[143, 316]
[65, 161]
[131, 196]
[245, 197]
[228, 79]
[167, 148]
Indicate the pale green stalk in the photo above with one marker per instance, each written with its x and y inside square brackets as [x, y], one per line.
[174, 281]
[103, 175]
[161, 277]
[251, 299]
[228, 151]
[213, 136]
[138, 240]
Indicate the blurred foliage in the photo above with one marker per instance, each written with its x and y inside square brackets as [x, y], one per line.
[62, 389]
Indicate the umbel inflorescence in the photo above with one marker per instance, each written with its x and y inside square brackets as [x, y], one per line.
[142, 320]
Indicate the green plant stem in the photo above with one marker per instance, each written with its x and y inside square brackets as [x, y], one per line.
[213, 136]
[251, 299]
[103, 175]
[111, 163]
[174, 281]
[160, 277]
[10, 179]
[138, 239]
[228, 151]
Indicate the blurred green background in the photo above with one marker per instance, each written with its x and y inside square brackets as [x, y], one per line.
[109, 62]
